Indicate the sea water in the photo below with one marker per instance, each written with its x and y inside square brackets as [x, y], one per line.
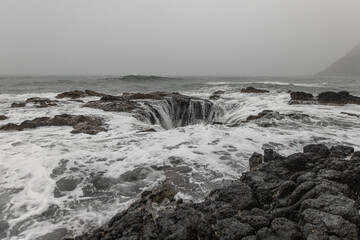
[114, 167]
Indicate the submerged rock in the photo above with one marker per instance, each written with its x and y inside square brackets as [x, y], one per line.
[68, 183]
[310, 195]
[80, 123]
[253, 90]
[3, 117]
[216, 95]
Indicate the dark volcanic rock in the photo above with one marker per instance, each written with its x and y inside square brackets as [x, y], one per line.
[3, 117]
[20, 104]
[310, 195]
[253, 90]
[81, 124]
[79, 94]
[216, 95]
[341, 151]
[41, 102]
[325, 98]
[301, 98]
[339, 98]
[255, 160]
[167, 109]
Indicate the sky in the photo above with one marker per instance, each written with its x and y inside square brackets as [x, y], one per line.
[176, 37]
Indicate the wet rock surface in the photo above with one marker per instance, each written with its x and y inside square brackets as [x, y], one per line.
[3, 117]
[18, 104]
[270, 118]
[301, 98]
[167, 109]
[216, 95]
[310, 195]
[325, 98]
[253, 90]
[80, 123]
[79, 94]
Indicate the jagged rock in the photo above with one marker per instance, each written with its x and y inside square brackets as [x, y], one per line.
[216, 95]
[339, 98]
[260, 115]
[310, 195]
[167, 109]
[253, 90]
[271, 155]
[79, 94]
[325, 98]
[296, 161]
[301, 98]
[41, 102]
[341, 151]
[316, 151]
[93, 93]
[255, 160]
[81, 124]
[20, 104]
[3, 117]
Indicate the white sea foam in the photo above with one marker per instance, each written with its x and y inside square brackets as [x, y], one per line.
[210, 154]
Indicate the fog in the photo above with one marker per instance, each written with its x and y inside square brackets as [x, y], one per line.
[183, 37]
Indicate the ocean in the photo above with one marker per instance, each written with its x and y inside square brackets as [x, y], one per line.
[112, 168]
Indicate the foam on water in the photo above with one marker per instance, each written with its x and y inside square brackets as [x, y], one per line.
[113, 167]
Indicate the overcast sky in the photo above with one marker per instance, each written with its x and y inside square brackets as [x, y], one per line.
[175, 37]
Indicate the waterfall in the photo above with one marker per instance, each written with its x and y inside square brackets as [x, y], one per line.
[173, 112]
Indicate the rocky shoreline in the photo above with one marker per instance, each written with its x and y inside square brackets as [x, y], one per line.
[314, 194]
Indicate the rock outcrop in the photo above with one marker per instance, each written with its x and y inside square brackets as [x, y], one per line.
[310, 195]
[167, 109]
[325, 98]
[301, 98]
[80, 123]
[253, 90]
[79, 94]
[37, 102]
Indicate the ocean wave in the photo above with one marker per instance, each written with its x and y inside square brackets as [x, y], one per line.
[266, 83]
[140, 78]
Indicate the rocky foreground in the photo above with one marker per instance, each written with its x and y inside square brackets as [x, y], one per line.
[309, 195]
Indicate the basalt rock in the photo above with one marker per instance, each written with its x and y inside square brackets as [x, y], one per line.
[166, 109]
[41, 102]
[19, 104]
[80, 123]
[79, 94]
[324, 98]
[3, 117]
[253, 90]
[310, 195]
[270, 118]
[301, 98]
[339, 98]
[216, 95]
